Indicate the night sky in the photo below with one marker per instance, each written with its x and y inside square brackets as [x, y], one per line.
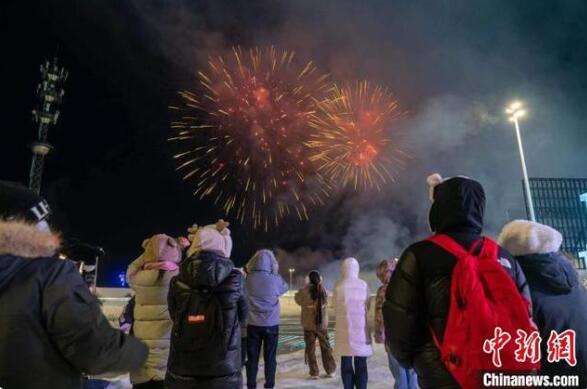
[453, 65]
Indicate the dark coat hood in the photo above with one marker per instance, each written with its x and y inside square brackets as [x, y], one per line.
[459, 205]
[551, 273]
[206, 269]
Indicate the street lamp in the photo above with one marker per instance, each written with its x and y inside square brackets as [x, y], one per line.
[516, 111]
[291, 272]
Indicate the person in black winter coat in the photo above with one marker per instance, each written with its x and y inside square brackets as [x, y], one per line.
[559, 300]
[51, 327]
[193, 362]
[418, 295]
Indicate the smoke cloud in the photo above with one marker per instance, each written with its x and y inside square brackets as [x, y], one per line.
[452, 65]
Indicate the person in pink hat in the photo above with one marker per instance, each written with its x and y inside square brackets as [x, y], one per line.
[149, 276]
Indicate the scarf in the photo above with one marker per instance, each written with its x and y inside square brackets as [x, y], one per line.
[161, 265]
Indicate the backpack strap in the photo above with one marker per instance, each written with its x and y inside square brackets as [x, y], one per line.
[454, 248]
[450, 245]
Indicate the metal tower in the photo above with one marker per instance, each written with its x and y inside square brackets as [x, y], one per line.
[50, 93]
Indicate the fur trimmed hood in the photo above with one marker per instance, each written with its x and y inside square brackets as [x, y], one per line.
[25, 240]
[522, 237]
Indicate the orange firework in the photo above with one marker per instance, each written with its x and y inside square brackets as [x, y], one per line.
[244, 134]
[352, 138]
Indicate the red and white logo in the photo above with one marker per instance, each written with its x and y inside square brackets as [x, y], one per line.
[196, 319]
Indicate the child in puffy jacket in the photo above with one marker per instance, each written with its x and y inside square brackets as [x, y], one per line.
[404, 378]
[314, 302]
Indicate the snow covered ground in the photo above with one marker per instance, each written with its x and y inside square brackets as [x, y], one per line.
[293, 373]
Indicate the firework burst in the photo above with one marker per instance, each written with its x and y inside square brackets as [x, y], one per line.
[243, 135]
[351, 140]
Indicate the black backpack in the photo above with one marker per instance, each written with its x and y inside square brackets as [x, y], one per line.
[199, 325]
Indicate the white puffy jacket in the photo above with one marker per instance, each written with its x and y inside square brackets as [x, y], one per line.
[351, 304]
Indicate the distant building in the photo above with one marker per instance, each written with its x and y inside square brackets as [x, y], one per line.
[562, 204]
[583, 254]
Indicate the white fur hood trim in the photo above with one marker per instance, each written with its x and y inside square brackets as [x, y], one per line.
[522, 237]
[25, 240]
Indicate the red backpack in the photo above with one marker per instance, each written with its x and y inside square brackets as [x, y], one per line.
[483, 297]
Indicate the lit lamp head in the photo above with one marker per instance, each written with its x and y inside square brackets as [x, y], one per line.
[515, 111]
[292, 270]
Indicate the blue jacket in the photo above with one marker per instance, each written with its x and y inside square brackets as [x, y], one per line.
[264, 286]
[559, 303]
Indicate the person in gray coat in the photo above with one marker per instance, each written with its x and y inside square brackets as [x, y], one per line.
[264, 286]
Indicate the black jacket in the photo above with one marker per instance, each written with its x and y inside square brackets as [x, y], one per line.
[560, 303]
[51, 326]
[418, 294]
[186, 370]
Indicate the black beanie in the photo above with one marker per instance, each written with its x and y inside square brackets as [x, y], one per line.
[19, 202]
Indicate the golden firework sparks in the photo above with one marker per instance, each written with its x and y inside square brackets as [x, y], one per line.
[352, 137]
[244, 134]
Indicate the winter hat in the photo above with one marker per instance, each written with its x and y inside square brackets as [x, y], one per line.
[523, 237]
[161, 248]
[210, 239]
[433, 181]
[19, 202]
[385, 268]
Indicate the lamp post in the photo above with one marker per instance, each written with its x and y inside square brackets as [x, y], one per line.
[291, 272]
[515, 112]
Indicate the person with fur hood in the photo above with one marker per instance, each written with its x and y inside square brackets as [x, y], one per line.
[149, 276]
[559, 300]
[264, 287]
[352, 339]
[207, 304]
[404, 378]
[418, 295]
[313, 299]
[52, 329]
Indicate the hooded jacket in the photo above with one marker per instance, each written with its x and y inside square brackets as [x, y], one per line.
[152, 323]
[51, 327]
[559, 301]
[207, 270]
[351, 305]
[418, 294]
[264, 286]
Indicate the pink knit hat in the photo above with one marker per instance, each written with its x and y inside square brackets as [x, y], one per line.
[208, 238]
